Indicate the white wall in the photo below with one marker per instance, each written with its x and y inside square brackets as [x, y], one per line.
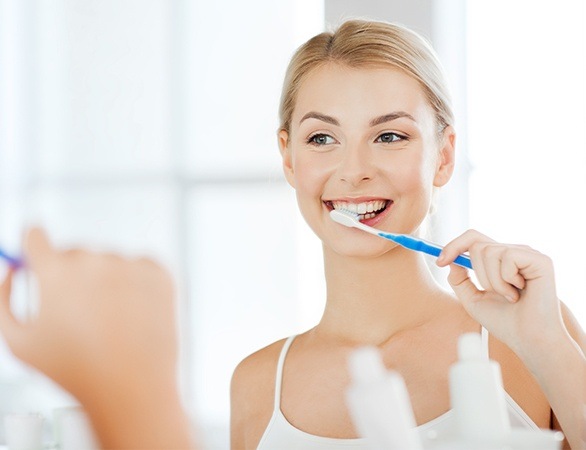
[527, 91]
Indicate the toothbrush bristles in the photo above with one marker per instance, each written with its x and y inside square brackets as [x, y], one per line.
[349, 213]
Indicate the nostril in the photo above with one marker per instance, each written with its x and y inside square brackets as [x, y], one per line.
[355, 179]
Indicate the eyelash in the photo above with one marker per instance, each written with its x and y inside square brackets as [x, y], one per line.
[311, 139]
[397, 138]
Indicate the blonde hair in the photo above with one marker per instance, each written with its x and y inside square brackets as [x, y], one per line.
[361, 43]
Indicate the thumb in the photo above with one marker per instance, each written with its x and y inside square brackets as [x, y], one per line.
[37, 247]
[463, 286]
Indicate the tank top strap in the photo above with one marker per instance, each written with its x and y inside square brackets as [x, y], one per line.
[279, 377]
[484, 338]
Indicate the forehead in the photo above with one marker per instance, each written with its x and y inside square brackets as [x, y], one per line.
[360, 93]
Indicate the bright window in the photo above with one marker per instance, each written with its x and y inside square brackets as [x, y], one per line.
[526, 116]
[149, 126]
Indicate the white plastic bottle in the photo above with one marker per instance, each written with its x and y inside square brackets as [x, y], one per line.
[477, 394]
[379, 403]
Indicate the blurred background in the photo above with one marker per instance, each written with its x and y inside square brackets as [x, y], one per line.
[149, 127]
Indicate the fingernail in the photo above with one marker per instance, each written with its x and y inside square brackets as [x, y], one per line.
[510, 299]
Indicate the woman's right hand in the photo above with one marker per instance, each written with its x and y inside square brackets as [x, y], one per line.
[516, 300]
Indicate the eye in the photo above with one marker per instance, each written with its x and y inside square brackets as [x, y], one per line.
[320, 139]
[388, 138]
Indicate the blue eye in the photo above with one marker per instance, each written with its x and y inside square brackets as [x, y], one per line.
[320, 139]
[388, 138]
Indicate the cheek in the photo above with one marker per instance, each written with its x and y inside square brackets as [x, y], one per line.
[414, 194]
[310, 181]
[414, 174]
[310, 175]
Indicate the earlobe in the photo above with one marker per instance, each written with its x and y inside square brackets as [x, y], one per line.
[446, 159]
[286, 156]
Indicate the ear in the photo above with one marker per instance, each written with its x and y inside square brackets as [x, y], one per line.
[446, 158]
[286, 156]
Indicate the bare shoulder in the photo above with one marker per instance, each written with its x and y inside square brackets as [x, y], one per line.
[254, 371]
[520, 384]
[518, 380]
[252, 393]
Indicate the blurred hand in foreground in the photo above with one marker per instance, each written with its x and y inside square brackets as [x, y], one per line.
[105, 331]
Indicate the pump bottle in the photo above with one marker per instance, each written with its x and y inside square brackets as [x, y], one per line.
[477, 394]
[379, 403]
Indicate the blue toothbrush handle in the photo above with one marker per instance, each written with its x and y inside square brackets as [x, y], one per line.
[464, 261]
[426, 247]
[11, 260]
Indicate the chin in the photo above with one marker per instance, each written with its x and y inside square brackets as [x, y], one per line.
[354, 250]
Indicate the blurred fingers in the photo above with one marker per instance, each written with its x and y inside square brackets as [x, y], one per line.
[8, 323]
[37, 247]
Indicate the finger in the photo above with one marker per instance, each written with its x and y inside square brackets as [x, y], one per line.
[530, 264]
[478, 257]
[37, 247]
[494, 269]
[8, 323]
[511, 274]
[461, 244]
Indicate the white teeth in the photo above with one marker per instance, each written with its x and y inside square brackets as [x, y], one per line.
[365, 210]
[350, 207]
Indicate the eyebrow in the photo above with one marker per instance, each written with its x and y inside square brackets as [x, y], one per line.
[319, 116]
[374, 122]
[391, 116]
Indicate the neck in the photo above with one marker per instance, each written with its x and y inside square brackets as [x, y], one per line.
[369, 300]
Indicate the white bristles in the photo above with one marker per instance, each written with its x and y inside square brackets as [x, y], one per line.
[344, 217]
[350, 219]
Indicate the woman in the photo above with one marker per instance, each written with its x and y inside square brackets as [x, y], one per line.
[366, 125]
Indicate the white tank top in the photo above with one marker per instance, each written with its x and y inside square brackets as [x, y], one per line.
[281, 435]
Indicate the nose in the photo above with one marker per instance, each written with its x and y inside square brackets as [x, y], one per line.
[356, 165]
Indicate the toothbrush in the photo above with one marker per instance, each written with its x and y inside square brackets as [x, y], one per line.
[350, 219]
[13, 262]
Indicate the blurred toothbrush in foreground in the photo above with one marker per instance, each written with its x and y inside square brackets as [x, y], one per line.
[12, 261]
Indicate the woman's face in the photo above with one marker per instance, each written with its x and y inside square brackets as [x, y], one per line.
[364, 140]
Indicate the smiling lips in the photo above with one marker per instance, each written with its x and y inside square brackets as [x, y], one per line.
[364, 210]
